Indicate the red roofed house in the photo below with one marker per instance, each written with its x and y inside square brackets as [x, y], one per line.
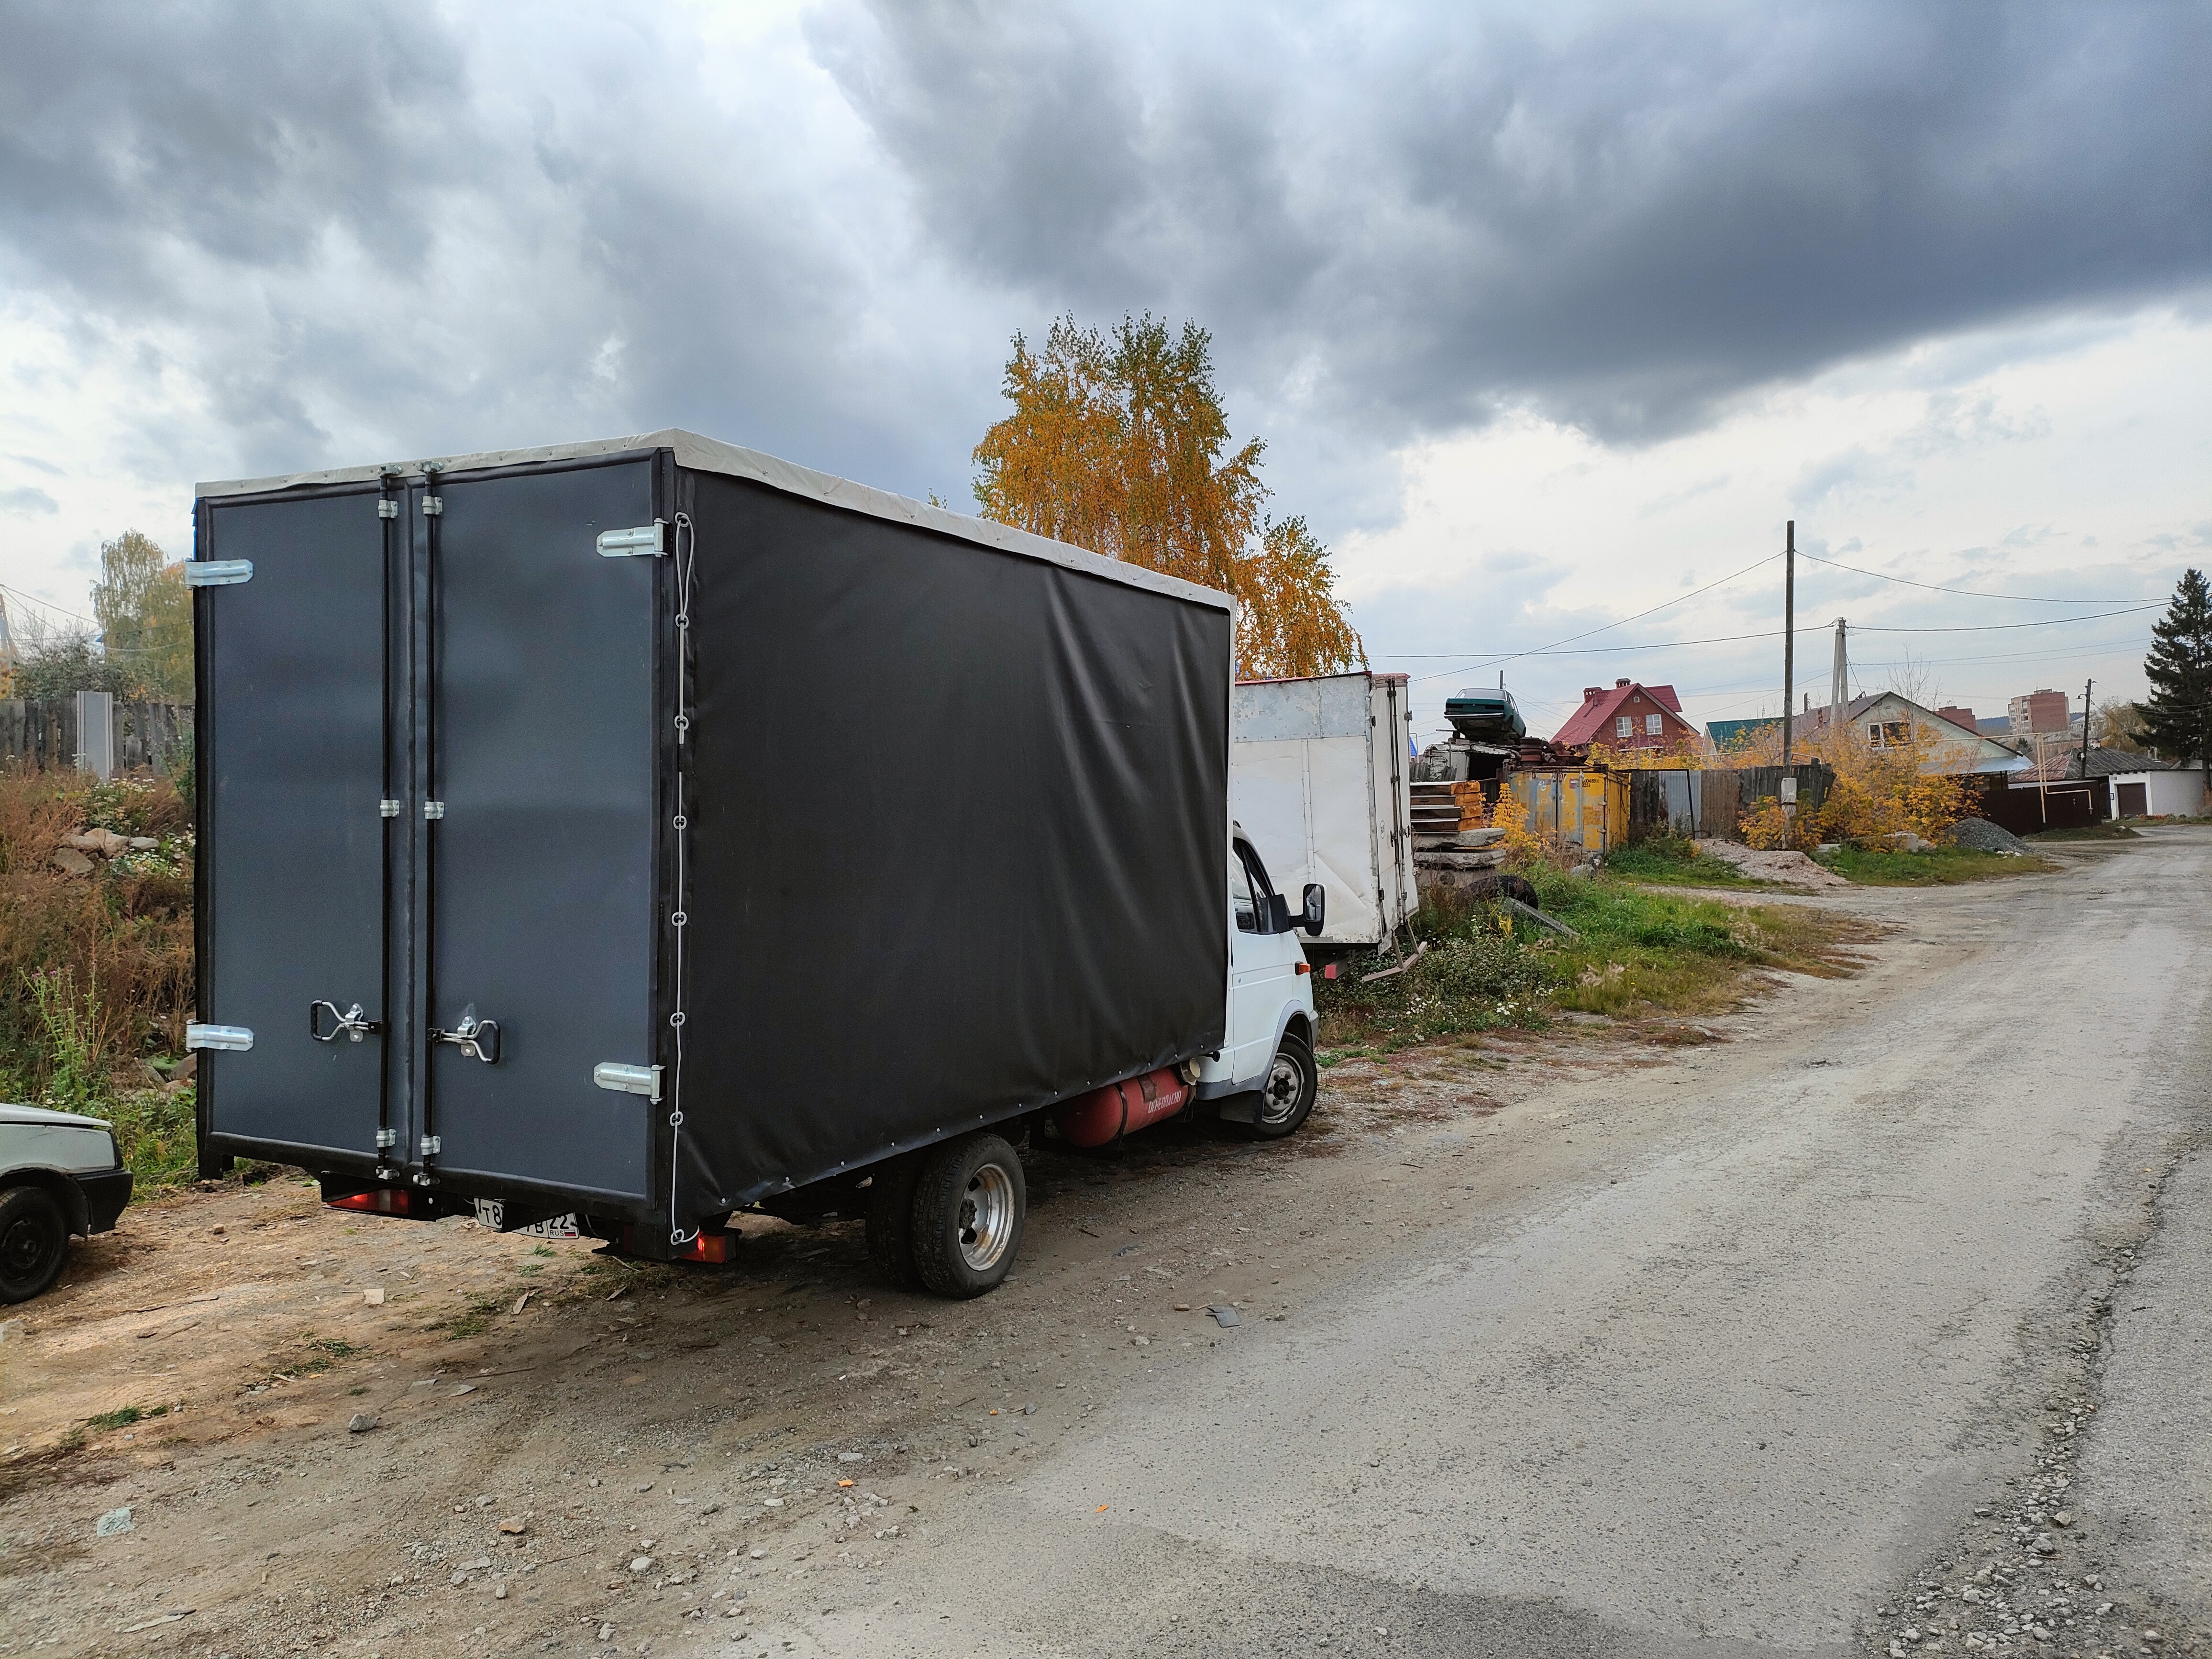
[1626, 716]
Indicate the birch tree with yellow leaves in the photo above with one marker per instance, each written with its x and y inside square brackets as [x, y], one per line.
[1119, 444]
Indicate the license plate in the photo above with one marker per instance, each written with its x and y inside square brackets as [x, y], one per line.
[492, 1212]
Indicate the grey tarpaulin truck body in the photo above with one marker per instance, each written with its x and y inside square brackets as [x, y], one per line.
[649, 827]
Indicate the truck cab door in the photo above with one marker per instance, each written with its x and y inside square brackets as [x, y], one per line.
[1263, 970]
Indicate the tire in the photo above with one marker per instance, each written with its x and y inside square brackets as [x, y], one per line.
[890, 1223]
[1287, 1098]
[34, 1239]
[970, 1202]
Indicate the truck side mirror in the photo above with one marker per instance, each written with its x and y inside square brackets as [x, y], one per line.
[1317, 907]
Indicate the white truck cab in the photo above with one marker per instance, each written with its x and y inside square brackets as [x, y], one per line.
[1265, 1074]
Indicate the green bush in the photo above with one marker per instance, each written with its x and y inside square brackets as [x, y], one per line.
[156, 1134]
[1477, 975]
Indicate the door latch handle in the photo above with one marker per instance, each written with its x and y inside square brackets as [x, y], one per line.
[348, 1023]
[476, 1038]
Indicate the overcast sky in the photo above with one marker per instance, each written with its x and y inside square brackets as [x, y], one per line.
[1550, 314]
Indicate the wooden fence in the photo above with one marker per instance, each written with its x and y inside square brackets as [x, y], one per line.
[1687, 801]
[42, 734]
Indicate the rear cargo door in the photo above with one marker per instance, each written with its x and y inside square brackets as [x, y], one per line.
[292, 764]
[540, 738]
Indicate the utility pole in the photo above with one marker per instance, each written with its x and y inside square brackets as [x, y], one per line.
[2087, 708]
[1789, 633]
[1840, 684]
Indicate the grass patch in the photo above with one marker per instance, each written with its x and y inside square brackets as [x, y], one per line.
[1941, 866]
[323, 1353]
[1639, 952]
[472, 1321]
[1642, 951]
[2087, 832]
[127, 1416]
[1675, 861]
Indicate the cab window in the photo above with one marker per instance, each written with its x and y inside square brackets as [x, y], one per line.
[1240, 895]
[1248, 884]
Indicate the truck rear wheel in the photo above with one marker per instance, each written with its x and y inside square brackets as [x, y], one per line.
[34, 1239]
[1287, 1098]
[970, 1201]
[890, 1223]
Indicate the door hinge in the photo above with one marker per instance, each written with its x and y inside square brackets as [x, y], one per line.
[387, 1138]
[432, 506]
[387, 508]
[235, 1038]
[627, 544]
[434, 809]
[628, 1079]
[389, 809]
[430, 1146]
[217, 573]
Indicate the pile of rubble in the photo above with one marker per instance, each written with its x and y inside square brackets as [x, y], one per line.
[1982, 836]
[1792, 868]
[81, 853]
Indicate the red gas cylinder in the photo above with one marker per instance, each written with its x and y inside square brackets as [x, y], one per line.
[1122, 1109]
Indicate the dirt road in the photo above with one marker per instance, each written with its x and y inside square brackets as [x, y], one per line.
[1783, 1342]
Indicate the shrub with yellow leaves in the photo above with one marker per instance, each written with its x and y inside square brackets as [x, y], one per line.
[1875, 793]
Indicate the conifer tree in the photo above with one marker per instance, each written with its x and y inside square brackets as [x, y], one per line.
[2178, 713]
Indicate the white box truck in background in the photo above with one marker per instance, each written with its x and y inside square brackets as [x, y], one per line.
[1320, 777]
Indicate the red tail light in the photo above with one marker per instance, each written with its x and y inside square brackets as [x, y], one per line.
[707, 1247]
[714, 1247]
[377, 1200]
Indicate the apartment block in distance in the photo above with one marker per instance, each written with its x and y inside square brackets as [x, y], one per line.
[2040, 711]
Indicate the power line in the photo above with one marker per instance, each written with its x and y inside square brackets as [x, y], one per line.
[43, 605]
[1993, 628]
[1588, 633]
[1776, 633]
[1967, 593]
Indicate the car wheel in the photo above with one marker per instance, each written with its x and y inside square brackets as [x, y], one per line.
[969, 1201]
[34, 1239]
[890, 1223]
[1287, 1098]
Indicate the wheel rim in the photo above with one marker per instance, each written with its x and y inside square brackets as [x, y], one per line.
[987, 1217]
[1284, 1088]
[23, 1249]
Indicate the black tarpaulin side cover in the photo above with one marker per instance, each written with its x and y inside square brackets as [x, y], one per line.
[958, 820]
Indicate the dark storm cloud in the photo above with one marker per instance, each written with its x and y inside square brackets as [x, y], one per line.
[448, 228]
[1622, 215]
[452, 230]
[244, 131]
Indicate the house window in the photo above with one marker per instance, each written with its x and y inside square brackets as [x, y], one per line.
[1885, 734]
[1625, 726]
[1652, 726]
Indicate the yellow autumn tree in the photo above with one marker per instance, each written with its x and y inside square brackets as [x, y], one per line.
[1119, 444]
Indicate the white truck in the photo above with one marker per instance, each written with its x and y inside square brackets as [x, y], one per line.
[1320, 779]
[60, 1175]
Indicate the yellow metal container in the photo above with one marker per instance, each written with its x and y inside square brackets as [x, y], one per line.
[1589, 810]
